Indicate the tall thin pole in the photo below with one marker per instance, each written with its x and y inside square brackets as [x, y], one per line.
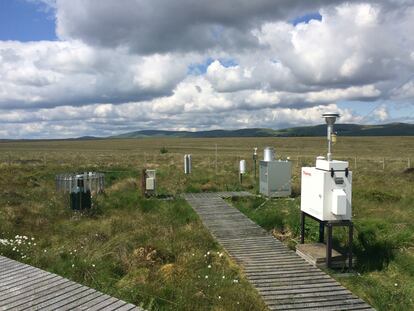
[216, 159]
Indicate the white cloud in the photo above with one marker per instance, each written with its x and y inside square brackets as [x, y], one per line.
[125, 67]
[381, 113]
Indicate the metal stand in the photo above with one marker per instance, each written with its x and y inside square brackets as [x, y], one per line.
[329, 225]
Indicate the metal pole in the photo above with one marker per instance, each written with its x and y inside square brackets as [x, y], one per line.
[350, 242]
[329, 246]
[255, 163]
[216, 159]
[329, 155]
[321, 232]
[143, 182]
[302, 227]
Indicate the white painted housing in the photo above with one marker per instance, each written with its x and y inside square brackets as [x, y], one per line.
[327, 197]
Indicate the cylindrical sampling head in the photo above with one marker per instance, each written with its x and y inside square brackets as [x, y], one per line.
[269, 154]
[330, 119]
[187, 164]
[242, 167]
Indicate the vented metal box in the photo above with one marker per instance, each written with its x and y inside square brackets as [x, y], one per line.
[327, 190]
[150, 182]
[275, 178]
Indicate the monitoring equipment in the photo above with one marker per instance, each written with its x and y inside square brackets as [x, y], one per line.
[187, 164]
[150, 181]
[275, 175]
[80, 187]
[327, 188]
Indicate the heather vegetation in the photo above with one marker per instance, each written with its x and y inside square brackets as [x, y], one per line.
[156, 253]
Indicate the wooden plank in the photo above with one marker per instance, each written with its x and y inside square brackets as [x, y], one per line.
[23, 287]
[29, 298]
[54, 297]
[103, 304]
[63, 301]
[16, 288]
[76, 305]
[90, 304]
[284, 280]
[31, 291]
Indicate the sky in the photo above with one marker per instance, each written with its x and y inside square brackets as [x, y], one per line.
[105, 67]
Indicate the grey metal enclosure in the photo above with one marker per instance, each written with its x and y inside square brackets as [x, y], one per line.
[275, 178]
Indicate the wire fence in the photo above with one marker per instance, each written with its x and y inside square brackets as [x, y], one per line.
[212, 160]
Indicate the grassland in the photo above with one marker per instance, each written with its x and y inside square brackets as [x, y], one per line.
[157, 253]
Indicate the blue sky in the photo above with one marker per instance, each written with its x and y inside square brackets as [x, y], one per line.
[114, 69]
[25, 21]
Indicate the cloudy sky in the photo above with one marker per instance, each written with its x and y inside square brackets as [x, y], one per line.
[70, 68]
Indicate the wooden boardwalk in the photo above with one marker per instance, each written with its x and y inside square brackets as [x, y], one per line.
[23, 287]
[284, 280]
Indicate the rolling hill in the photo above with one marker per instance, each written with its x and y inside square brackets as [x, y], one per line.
[391, 129]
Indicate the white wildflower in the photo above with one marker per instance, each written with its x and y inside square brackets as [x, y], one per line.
[206, 277]
[209, 266]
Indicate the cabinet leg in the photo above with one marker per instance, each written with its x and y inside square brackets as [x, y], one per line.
[321, 232]
[302, 227]
[329, 247]
[350, 242]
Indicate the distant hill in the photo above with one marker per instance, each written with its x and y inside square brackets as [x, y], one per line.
[391, 129]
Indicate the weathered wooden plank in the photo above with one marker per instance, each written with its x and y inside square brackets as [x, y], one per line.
[282, 278]
[23, 287]
[31, 291]
[92, 299]
[27, 299]
[94, 302]
[16, 288]
[103, 304]
[57, 297]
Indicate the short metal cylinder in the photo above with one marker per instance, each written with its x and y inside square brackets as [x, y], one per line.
[187, 164]
[242, 167]
[269, 154]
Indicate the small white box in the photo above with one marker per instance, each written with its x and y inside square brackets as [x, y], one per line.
[338, 202]
[150, 183]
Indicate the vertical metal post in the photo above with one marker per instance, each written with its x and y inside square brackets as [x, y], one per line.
[216, 159]
[302, 227]
[241, 178]
[143, 182]
[330, 130]
[321, 232]
[255, 163]
[350, 242]
[329, 246]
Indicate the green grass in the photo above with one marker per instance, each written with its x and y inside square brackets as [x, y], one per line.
[149, 252]
[154, 252]
[384, 236]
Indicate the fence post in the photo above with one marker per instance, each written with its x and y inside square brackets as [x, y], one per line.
[383, 164]
[355, 162]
